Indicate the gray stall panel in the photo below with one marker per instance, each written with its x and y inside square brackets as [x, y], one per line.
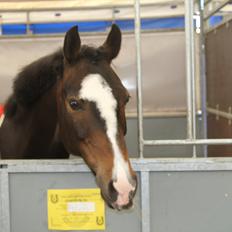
[191, 201]
[174, 195]
[28, 201]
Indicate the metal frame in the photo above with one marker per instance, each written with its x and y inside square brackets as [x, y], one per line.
[209, 9]
[190, 81]
[142, 166]
[213, 11]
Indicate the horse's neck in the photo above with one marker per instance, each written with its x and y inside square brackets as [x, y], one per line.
[40, 129]
[44, 138]
[43, 121]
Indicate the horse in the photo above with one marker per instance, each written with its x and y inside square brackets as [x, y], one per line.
[73, 102]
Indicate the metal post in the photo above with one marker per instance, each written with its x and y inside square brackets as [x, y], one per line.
[28, 29]
[139, 76]
[190, 72]
[145, 201]
[4, 201]
[203, 75]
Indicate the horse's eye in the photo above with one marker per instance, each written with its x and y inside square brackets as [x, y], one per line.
[75, 104]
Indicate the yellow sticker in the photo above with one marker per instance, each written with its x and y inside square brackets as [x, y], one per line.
[75, 209]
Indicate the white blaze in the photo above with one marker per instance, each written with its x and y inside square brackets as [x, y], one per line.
[94, 88]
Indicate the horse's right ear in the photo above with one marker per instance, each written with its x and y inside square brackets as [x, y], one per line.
[72, 44]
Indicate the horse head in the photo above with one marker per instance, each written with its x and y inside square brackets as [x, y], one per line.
[91, 107]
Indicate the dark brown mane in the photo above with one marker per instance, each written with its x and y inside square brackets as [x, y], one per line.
[34, 80]
[92, 54]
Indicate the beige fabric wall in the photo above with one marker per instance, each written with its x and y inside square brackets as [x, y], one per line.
[163, 63]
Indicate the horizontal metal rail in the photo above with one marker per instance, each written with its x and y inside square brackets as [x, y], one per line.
[158, 114]
[145, 164]
[187, 142]
[220, 113]
[216, 9]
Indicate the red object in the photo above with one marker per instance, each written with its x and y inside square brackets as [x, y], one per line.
[1, 110]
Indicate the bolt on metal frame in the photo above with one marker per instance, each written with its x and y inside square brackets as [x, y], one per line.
[190, 83]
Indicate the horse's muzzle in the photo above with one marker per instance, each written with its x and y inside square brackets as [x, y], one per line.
[122, 194]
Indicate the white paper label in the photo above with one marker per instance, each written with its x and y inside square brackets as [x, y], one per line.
[81, 207]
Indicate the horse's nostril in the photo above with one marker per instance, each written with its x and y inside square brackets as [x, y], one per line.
[112, 191]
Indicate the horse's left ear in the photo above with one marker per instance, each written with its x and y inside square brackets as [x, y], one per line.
[72, 44]
[112, 44]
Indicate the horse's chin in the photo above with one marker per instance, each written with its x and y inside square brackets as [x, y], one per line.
[122, 207]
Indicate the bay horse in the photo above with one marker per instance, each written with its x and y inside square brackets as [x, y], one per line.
[72, 102]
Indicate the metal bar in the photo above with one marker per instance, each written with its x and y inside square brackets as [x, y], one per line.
[216, 9]
[139, 76]
[190, 72]
[48, 168]
[183, 164]
[148, 164]
[193, 81]
[28, 31]
[188, 142]
[5, 205]
[1, 207]
[161, 114]
[145, 201]
[188, 69]
[203, 77]
[220, 113]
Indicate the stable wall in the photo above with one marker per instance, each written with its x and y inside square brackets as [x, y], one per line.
[163, 61]
[219, 84]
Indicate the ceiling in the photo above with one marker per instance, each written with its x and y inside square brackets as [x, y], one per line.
[70, 4]
[28, 11]
[19, 11]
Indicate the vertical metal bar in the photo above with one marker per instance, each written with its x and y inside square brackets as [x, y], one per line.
[5, 205]
[1, 22]
[203, 76]
[1, 200]
[193, 76]
[28, 30]
[145, 201]
[190, 72]
[139, 76]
